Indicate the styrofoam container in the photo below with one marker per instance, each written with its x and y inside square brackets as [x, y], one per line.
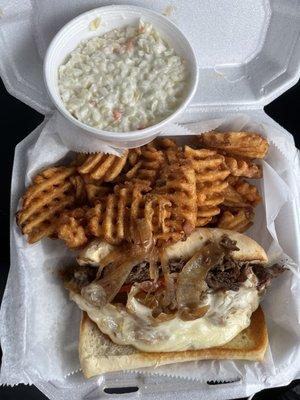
[114, 17]
[248, 53]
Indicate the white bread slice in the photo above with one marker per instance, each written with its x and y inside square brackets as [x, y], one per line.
[250, 250]
[98, 354]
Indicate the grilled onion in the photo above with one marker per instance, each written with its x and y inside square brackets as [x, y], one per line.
[191, 280]
[187, 314]
[142, 237]
[169, 297]
[104, 290]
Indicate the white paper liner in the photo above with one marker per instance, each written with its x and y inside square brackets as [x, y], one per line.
[39, 325]
[76, 140]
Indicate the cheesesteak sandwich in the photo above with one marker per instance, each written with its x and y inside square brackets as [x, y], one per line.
[194, 299]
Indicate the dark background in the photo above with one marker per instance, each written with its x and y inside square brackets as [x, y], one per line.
[18, 120]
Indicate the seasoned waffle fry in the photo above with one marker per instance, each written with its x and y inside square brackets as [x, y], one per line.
[46, 180]
[244, 144]
[80, 188]
[241, 194]
[208, 164]
[240, 167]
[172, 189]
[237, 220]
[102, 166]
[157, 213]
[97, 192]
[178, 185]
[202, 221]
[211, 172]
[208, 209]
[71, 228]
[79, 159]
[133, 156]
[233, 199]
[95, 218]
[148, 166]
[50, 194]
[112, 220]
[171, 150]
[248, 192]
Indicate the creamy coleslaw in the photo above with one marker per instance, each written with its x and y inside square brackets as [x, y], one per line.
[126, 80]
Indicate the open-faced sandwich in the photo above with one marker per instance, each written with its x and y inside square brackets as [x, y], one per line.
[197, 299]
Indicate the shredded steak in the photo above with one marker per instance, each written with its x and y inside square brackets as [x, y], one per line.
[265, 275]
[228, 274]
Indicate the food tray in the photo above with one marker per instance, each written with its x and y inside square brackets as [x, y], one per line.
[248, 55]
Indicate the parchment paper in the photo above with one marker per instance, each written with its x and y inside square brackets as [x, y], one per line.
[39, 325]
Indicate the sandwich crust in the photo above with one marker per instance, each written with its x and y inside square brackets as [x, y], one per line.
[98, 354]
[250, 250]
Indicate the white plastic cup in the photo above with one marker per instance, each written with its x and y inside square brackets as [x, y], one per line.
[112, 17]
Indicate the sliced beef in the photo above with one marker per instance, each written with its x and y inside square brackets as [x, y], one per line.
[140, 272]
[228, 244]
[225, 280]
[226, 276]
[265, 275]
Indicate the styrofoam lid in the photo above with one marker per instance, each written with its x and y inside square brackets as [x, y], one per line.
[248, 50]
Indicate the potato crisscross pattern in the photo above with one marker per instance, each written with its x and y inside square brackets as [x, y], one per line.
[147, 165]
[44, 202]
[177, 184]
[211, 173]
[243, 144]
[103, 166]
[171, 188]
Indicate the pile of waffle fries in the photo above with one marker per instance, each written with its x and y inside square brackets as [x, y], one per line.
[173, 188]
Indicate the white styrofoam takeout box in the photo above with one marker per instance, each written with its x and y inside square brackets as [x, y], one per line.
[248, 53]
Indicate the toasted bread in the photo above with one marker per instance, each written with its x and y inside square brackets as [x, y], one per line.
[98, 354]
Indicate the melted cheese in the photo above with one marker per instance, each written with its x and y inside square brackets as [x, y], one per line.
[94, 252]
[228, 315]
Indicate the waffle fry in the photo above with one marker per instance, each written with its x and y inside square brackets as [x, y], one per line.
[96, 192]
[171, 150]
[238, 220]
[102, 166]
[148, 166]
[71, 228]
[50, 194]
[158, 215]
[248, 192]
[112, 219]
[172, 189]
[211, 172]
[178, 185]
[241, 194]
[133, 156]
[209, 166]
[234, 199]
[244, 168]
[209, 196]
[243, 144]
[80, 188]
[157, 212]
[95, 218]
[79, 159]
